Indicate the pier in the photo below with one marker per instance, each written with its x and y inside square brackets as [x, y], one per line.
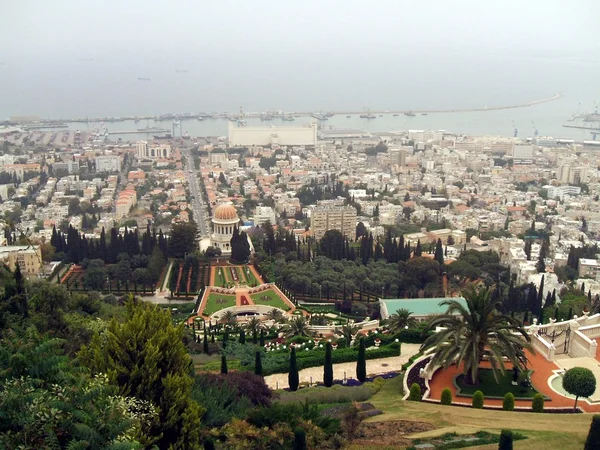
[271, 115]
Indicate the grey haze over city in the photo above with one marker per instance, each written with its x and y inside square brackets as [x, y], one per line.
[76, 59]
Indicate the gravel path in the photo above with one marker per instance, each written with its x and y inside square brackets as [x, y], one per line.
[374, 366]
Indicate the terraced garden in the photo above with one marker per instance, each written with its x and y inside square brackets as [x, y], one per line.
[269, 298]
[216, 302]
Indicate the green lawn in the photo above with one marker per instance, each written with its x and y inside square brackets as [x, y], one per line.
[490, 388]
[250, 278]
[543, 431]
[269, 298]
[221, 278]
[217, 302]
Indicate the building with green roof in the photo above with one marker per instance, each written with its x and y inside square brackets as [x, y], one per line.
[420, 308]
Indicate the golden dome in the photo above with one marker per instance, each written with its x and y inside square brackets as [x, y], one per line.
[225, 211]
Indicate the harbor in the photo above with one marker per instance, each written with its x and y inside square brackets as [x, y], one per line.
[282, 115]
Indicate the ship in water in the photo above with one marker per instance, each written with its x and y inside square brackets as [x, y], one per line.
[152, 130]
[368, 116]
[410, 114]
[143, 79]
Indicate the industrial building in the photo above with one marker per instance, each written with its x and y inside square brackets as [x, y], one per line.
[273, 135]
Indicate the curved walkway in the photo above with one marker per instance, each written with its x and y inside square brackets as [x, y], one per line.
[542, 371]
[374, 367]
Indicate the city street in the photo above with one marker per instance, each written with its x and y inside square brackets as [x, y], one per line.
[200, 213]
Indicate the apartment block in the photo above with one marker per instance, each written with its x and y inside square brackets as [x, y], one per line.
[341, 218]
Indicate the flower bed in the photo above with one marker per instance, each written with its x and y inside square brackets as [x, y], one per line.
[413, 375]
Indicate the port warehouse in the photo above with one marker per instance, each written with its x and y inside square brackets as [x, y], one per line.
[280, 135]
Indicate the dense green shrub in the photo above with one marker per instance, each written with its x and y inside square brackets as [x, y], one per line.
[291, 414]
[242, 357]
[537, 405]
[506, 440]
[446, 397]
[593, 438]
[415, 393]
[478, 399]
[221, 398]
[508, 404]
[335, 394]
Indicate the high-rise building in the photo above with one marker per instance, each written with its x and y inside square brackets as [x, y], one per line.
[341, 218]
[567, 173]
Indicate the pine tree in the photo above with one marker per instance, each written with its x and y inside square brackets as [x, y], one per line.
[293, 376]
[258, 370]
[223, 364]
[328, 366]
[361, 363]
[145, 357]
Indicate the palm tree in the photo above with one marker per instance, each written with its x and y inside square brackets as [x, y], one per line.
[298, 326]
[275, 315]
[400, 320]
[229, 319]
[347, 331]
[468, 334]
[253, 326]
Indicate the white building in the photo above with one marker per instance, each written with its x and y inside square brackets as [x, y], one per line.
[225, 219]
[264, 214]
[561, 191]
[274, 135]
[153, 151]
[108, 164]
[523, 154]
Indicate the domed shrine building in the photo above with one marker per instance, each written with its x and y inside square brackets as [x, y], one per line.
[224, 220]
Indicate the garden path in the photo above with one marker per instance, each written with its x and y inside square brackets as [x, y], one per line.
[374, 367]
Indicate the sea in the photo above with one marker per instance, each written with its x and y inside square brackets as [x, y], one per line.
[105, 87]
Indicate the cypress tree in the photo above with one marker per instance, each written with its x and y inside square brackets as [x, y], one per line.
[556, 313]
[258, 370]
[593, 438]
[212, 337]
[262, 338]
[242, 337]
[223, 364]
[209, 444]
[299, 439]
[293, 377]
[361, 363]
[328, 366]
[439, 253]
[506, 440]
[205, 343]
[570, 316]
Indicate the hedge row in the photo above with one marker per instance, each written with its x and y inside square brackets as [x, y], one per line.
[278, 362]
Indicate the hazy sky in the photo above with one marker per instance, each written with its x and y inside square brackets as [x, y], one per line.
[80, 57]
[95, 28]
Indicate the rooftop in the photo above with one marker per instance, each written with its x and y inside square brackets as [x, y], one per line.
[420, 306]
